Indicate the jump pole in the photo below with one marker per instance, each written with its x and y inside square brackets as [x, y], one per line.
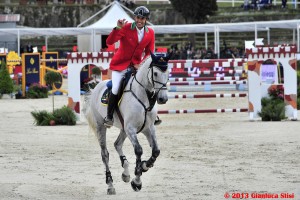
[193, 83]
[188, 111]
[206, 72]
[200, 96]
[226, 78]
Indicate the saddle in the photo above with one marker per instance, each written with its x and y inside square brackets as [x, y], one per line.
[124, 81]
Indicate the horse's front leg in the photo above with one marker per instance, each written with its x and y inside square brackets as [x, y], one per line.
[124, 163]
[151, 137]
[136, 182]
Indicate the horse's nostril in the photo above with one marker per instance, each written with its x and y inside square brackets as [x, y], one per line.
[162, 100]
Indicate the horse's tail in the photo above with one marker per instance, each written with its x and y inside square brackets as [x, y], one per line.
[88, 111]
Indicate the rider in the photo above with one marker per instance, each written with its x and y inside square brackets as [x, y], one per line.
[136, 42]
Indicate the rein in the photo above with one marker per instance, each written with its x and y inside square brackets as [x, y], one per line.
[151, 95]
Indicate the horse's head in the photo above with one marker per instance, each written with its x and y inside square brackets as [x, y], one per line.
[159, 76]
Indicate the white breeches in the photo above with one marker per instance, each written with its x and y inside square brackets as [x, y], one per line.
[116, 77]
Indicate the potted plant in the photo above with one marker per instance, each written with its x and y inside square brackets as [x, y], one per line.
[273, 106]
[62, 116]
[6, 83]
[37, 91]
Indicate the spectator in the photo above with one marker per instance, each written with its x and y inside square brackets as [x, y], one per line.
[29, 48]
[197, 54]
[283, 3]
[246, 4]
[254, 4]
[174, 47]
[21, 49]
[131, 4]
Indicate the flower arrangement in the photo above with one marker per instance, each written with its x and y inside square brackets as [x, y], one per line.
[273, 107]
[276, 92]
[36, 91]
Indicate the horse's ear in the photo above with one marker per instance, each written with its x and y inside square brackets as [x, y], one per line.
[169, 56]
[153, 56]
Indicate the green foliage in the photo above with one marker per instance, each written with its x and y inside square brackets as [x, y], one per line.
[37, 91]
[62, 116]
[42, 118]
[195, 12]
[6, 83]
[52, 78]
[96, 71]
[272, 109]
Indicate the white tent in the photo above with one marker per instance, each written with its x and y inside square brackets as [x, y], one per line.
[107, 22]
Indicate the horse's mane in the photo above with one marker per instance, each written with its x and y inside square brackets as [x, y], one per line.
[146, 61]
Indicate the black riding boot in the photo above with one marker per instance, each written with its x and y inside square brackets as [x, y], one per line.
[112, 103]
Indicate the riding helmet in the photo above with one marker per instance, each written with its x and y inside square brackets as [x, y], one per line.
[142, 11]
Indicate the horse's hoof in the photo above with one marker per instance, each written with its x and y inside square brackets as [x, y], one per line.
[136, 187]
[111, 191]
[125, 178]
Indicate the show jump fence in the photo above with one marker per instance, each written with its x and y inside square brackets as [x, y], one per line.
[257, 89]
[212, 72]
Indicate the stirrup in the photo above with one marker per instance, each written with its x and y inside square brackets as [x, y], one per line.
[108, 122]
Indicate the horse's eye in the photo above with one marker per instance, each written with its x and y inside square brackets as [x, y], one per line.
[155, 73]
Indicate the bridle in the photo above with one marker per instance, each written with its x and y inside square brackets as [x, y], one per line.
[161, 68]
[152, 95]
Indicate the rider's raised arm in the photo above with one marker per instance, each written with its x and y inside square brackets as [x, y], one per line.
[117, 33]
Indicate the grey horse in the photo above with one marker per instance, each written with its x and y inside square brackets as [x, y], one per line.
[136, 113]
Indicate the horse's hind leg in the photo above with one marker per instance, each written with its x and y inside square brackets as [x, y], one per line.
[124, 163]
[101, 134]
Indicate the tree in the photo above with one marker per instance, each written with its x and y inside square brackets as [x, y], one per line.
[195, 12]
[96, 72]
[6, 83]
[51, 78]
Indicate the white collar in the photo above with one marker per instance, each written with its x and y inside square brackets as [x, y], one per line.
[140, 30]
[140, 33]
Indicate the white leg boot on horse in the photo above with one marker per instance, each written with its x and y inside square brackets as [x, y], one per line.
[124, 162]
[112, 103]
[101, 135]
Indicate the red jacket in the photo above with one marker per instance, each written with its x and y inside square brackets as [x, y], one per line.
[130, 50]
